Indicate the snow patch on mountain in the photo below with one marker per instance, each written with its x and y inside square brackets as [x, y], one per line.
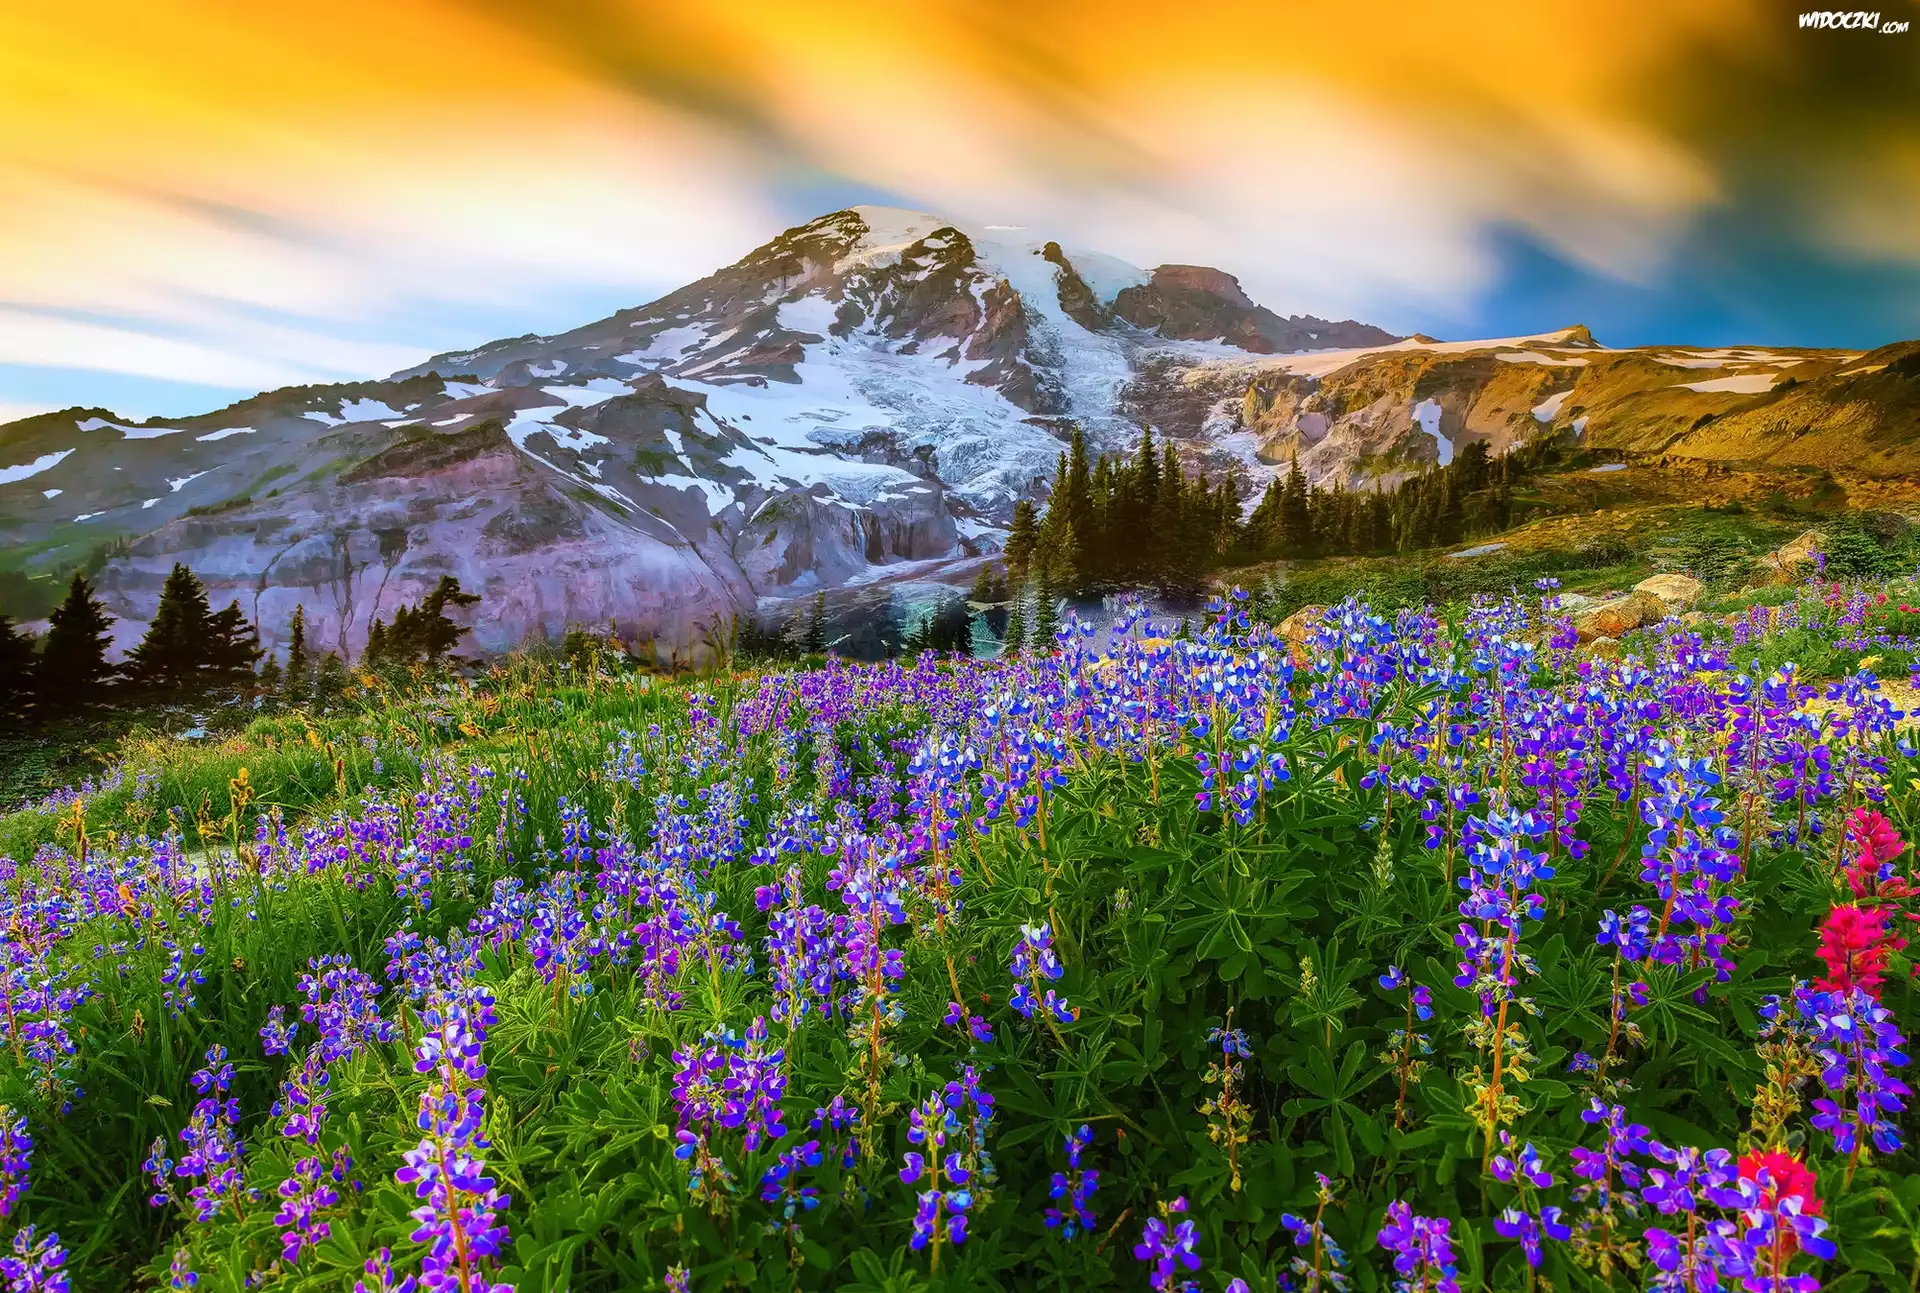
[27, 470]
[1427, 415]
[1549, 408]
[127, 432]
[1738, 384]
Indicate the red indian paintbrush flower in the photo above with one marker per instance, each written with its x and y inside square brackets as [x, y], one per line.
[1781, 1176]
[1854, 943]
[1874, 843]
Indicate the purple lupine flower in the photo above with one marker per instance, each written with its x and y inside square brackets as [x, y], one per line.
[1422, 1250]
[1034, 961]
[34, 1266]
[1167, 1247]
[940, 1210]
[1318, 1262]
[1076, 1185]
[276, 1038]
[16, 1155]
[781, 1183]
[379, 1276]
[312, 1188]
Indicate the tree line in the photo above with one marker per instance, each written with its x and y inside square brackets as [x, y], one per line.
[1143, 521]
[190, 650]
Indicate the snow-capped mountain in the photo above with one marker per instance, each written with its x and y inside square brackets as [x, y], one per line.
[862, 399]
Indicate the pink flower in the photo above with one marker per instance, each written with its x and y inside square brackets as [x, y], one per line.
[1854, 943]
[1874, 844]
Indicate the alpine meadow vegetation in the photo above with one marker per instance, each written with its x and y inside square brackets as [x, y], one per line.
[1410, 951]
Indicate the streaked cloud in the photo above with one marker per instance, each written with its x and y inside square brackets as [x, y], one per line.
[199, 191]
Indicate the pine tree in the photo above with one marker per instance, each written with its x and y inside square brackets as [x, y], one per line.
[1294, 537]
[1046, 615]
[438, 635]
[374, 653]
[298, 664]
[1022, 535]
[233, 647]
[175, 652]
[330, 679]
[73, 658]
[16, 669]
[815, 642]
[1015, 640]
[981, 594]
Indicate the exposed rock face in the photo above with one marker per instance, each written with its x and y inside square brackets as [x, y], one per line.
[1790, 562]
[1199, 303]
[1619, 617]
[1676, 592]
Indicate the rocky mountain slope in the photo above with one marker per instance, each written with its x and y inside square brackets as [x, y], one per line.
[861, 400]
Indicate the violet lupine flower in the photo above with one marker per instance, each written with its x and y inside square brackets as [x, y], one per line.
[180, 1273]
[781, 1184]
[840, 1119]
[699, 1081]
[303, 1099]
[1076, 1185]
[379, 1276]
[1420, 995]
[16, 1155]
[1033, 961]
[958, 1018]
[214, 1148]
[342, 1003]
[755, 1084]
[973, 1106]
[312, 1187]
[1857, 1043]
[1422, 1250]
[1318, 1262]
[1527, 1173]
[34, 1266]
[1167, 1247]
[940, 1211]
[458, 1217]
[276, 1038]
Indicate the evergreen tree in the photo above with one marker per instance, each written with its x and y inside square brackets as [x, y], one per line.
[1015, 640]
[1294, 525]
[16, 669]
[1022, 535]
[73, 658]
[815, 641]
[951, 628]
[272, 681]
[374, 654]
[298, 663]
[233, 647]
[330, 679]
[1046, 615]
[436, 634]
[175, 652]
[981, 595]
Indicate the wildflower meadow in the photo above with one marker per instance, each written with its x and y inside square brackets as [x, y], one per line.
[1420, 953]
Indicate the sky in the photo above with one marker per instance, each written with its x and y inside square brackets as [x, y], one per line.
[201, 199]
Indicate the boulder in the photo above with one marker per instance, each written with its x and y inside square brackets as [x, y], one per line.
[1296, 626]
[1619, 616]
[1603, 647]
[1790, 562]
[1677, 592]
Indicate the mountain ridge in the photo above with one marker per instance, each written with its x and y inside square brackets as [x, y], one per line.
[862, 398]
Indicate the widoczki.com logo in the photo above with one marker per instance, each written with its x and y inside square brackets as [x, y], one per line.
[1856, 20]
